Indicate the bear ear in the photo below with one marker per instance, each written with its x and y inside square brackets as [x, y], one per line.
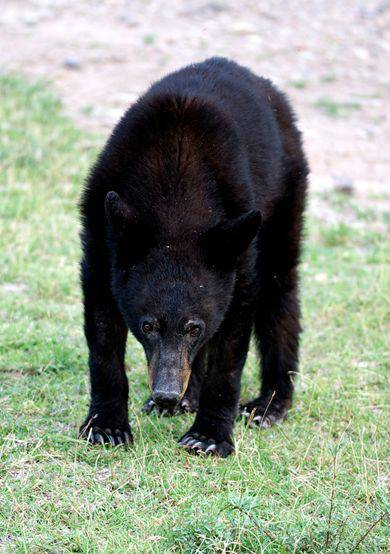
[118, 213]
[130, 237]
[224, 243]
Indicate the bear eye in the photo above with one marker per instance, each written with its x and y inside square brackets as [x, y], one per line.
[147, 327]
[194, 329]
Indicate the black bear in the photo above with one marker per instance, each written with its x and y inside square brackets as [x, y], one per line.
[191, 230]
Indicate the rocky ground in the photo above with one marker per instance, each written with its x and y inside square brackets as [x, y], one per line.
[331, 57]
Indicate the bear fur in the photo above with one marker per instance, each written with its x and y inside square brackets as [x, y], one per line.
[191, 232]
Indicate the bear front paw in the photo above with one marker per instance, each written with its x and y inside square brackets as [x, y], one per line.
[197, 443]
[96, 430]
[263, 413]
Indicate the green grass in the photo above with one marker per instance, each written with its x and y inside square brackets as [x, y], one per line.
[333, 108]
[59, 495]
[299, 84]
[149, 39]
[328, 78]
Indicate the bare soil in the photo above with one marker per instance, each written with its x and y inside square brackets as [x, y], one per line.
[331, 57]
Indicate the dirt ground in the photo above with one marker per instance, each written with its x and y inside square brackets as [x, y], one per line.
[331, 57]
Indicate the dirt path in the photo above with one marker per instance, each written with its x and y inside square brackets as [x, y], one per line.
[331, 57]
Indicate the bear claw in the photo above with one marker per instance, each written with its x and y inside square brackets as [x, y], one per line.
[200, 444]
[262, 418]
[96, 435]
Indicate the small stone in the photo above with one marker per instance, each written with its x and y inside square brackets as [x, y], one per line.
[321, 278]
[243, 28]
[13, 288]
[72, 62]
[344, 185]
[128, 20]
[31, 19]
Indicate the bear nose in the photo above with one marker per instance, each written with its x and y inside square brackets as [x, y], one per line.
[166, 399]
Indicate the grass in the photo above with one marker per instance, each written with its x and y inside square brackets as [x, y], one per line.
[328, 78]
[318, 483]
[299, 84]
[149, 39]
[333, 108]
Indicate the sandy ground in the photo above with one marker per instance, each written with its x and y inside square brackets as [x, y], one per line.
[331, 57]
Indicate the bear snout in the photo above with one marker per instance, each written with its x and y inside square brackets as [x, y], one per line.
[166, 398]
